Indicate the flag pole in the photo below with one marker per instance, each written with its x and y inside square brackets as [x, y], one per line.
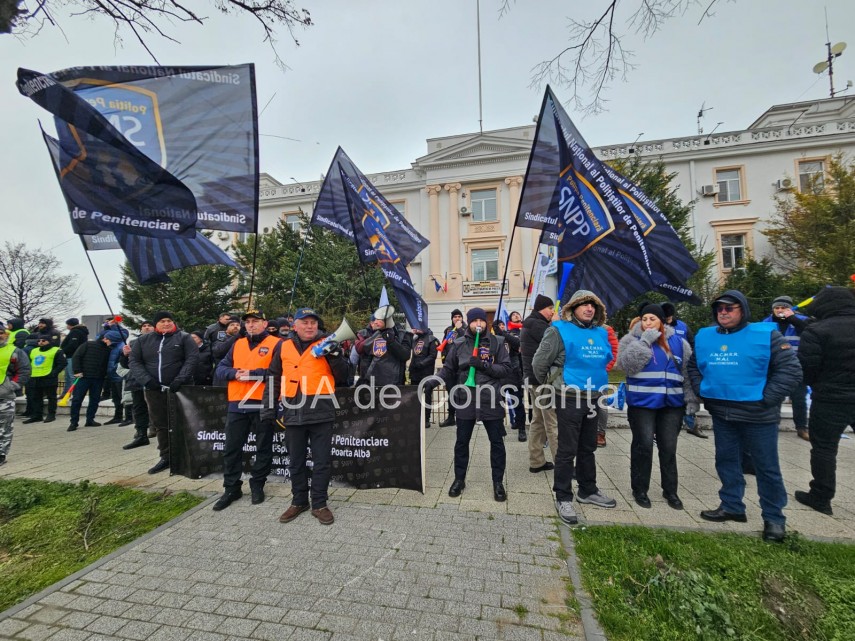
[252, 271]
[97, 280]
[297, 273]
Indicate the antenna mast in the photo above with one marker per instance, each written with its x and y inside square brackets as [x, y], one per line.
[828, 63]
[701, 115]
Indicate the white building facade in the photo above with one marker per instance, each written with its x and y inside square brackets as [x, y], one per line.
[464, 192]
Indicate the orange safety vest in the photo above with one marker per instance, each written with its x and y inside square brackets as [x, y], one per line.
[245, 358]
[311, 375]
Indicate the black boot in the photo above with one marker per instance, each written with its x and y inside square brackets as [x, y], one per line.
[140, 439]
[129, 416]
[117, 417]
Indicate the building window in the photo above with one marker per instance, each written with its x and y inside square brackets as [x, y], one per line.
[294, 222]
[243, 236]
[483, 205]
[485, 264]
[811, 176]
[729, 185]
[401, 207]
[732, 250]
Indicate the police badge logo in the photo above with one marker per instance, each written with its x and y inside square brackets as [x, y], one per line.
[262, 351]
[419, 346]
[484, 353]
[379, 348]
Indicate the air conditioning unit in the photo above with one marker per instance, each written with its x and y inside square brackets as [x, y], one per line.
[222, 235]
[784, 184]
[464, 211]
[709, 190]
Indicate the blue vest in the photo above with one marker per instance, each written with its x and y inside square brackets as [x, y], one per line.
[660, 383]
[790, 334]
[734, 366]
[680, 329]
[586, 354]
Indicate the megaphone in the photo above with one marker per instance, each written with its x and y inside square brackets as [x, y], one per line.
[343, 333]
[386, 314]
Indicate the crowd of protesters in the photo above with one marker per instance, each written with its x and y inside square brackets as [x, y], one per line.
[547, 377]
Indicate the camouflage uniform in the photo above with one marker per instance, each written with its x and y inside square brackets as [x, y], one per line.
[17, 375]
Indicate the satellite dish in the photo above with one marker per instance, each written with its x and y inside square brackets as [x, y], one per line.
[837, 49]
[819, 67]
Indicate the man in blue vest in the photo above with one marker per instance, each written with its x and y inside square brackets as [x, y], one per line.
[791, 325]
[743, 371]
[572, 357]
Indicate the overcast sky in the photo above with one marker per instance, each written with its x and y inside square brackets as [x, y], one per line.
[379, 77]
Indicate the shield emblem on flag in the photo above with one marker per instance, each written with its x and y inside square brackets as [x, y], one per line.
[132, 110]
[379, 347]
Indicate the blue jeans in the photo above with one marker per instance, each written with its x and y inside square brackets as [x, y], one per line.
[761, 439]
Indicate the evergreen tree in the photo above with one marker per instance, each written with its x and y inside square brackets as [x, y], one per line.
[331, 278]
[195, 295]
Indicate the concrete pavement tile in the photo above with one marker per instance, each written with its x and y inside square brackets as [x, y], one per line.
[67, 634]
[106, 624]
[273, 632]
[138, 630]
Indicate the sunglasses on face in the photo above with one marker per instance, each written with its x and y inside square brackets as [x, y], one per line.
[726, 308]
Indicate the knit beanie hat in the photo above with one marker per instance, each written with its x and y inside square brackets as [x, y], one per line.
[455, 312]
[474, 314]
[73, 321]
[782, 301]
[161, 315]
[542, 302]
[652, 308]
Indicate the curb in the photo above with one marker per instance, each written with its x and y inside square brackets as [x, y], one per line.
[590, 624]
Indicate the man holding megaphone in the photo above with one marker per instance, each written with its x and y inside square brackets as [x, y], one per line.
[473, 372]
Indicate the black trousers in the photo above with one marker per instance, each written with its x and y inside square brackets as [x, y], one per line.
[516, 392]
[39, 391]
[577, 442]
[495, 431]
[239, 426]
[827, 422]
[159, 417]
[318, 436]
[115, 388]
[663, 423]
[141, 420]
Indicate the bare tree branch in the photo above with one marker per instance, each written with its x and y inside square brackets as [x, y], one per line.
[148, 18]
[596, 55]
[32, 284]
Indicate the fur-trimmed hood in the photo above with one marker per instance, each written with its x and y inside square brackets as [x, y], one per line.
[579, 298]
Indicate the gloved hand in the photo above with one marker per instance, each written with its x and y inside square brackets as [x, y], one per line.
[388, 334]
[153, 385]
[692, 408]
[333, 350]
[429, 385]
[497, 330]
[477, 363]
[174, 386]
[650, 336]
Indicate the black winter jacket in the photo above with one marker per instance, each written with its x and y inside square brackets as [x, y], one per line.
[76, 336]
[164, 358]
[388, 365]
[530, 336]
[485, 402]
[784, 374]
[91, 359]
[827, 350]
[423, 362]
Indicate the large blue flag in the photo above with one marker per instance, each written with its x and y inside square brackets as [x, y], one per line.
[362, 211]
[155, 153]
[381, 221]
[569, 195]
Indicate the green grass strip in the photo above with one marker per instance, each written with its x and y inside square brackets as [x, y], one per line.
[666, 585]
[51, 530]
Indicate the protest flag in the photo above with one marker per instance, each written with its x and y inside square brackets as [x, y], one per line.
[378, 221]
[569, 195]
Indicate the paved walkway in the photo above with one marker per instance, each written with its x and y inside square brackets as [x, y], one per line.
[396, 565]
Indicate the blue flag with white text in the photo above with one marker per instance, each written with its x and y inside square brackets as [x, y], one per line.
[569, 195]
[381, 222]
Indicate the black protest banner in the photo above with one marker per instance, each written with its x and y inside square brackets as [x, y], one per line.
[375, 444]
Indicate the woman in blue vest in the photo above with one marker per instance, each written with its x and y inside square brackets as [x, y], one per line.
[654, 358]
